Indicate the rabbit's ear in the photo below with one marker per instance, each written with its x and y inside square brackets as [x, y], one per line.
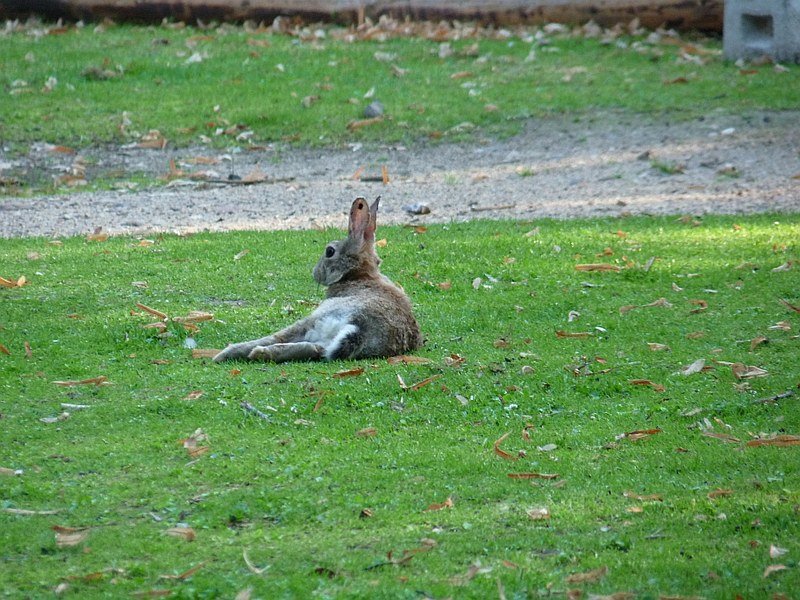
[362, 220]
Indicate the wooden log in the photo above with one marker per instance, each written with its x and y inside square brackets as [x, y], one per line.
[704, 15]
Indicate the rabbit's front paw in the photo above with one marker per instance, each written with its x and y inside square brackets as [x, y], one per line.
[232, 352]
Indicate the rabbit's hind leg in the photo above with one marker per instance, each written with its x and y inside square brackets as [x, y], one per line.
[292, 351]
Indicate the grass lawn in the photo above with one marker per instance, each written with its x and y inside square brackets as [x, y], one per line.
[84, 86]
[638, 469]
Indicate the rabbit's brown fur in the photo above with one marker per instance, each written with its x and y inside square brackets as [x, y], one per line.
[365, 315]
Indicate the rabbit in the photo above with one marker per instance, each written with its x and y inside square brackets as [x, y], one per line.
[364, 315]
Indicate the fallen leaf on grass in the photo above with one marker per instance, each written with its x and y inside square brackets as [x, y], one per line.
[742, 371]
[241, 254]
[757, 341]
[592, 576]
[639, 434]
[773, 569]
[725, 437]
[4, 350]
[349, 373]
[565, 334]
[791, 307]
[193, 443]
[13, 283]
[62, 417]
[776, 552]
[205, 353]
[701, 305]
[194, 316]
[441, 505]
[367, 432]
[414, 387]
[358, 124]
[644, 497]
[407, 360]
[101, 380]
[97, 236]
[531, 475]
[23, 512]
[597, 267]
[186, 574]
[693, 368]
[253, 569]
[655, 347]
[780, 441]
[195, 395]
[184, 533]
[67, 537]
[152, 311]
[646, 382]
[719, 493]
[454, 360]
[500, 452]
[538, 514]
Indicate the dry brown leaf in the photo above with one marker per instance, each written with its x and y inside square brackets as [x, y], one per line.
[152, 311]
[445, 286]
[791, 307]
[97, 236]
[186, 574]
[67, 537]
[152, 140]
[196, 394]
[205, 353]
[725, 437]
[539, 514]
[565, 334]
[742, 371]
[757, 341]
[773, 569]
[700, 304]
[639, 434]
[194, 316]
[441, 505]
[358, 124]
[531, 475]
[644, 497]
[4, 350]
[13, 283]
[193, 446]
[102, 380]
[719, 493]
[414, 387]
[655, 347]
[454, 360]
[8, 472]
[592, 576]
[407, 360]
[367, 432]
[780, 441]
[502, 453]
[349, 373]
[597, 267]
[646, 382]
[184, 533]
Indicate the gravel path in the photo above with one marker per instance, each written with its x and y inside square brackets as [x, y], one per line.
[606, 165]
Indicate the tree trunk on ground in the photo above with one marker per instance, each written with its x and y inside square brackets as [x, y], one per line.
[703, 15]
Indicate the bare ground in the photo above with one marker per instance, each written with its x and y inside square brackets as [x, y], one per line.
[606, 165]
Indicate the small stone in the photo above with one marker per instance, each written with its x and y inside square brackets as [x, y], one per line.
[418, 208]
[373, 109]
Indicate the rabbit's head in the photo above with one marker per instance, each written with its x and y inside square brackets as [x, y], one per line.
[353, 257]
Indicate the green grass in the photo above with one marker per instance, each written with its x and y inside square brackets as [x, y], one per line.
[289, 491]
[258, 81]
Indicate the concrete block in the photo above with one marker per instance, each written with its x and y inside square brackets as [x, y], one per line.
[762, 28]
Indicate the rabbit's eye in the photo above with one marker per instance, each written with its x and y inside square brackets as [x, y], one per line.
[330, 251]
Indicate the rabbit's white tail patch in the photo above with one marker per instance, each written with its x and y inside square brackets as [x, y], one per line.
[330, 331]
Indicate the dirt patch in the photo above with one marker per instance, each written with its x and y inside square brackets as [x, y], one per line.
[605, 165]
